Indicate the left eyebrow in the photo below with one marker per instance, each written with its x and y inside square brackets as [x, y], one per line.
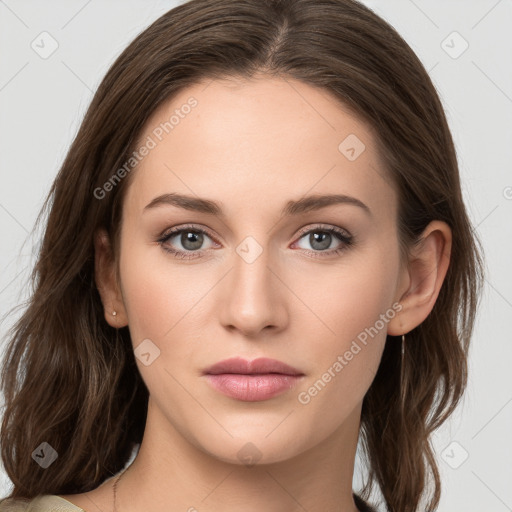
[303, 205]
[316, 202]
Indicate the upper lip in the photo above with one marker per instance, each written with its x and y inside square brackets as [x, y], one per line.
[256, 366]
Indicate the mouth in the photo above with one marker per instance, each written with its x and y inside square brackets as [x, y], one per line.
[252, 381]
[260, 366]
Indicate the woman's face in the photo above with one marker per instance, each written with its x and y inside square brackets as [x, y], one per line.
[267, 278]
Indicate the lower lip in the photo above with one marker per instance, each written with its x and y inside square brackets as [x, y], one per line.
[252, 388]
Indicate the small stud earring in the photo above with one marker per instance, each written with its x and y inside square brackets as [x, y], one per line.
[114, 313]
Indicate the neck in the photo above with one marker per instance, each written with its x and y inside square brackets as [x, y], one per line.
[171, 473]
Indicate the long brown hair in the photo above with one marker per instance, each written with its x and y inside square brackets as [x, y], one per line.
[70, 380]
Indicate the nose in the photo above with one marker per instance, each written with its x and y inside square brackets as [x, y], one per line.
[254, 296]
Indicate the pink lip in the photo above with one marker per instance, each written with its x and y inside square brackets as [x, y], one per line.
[262, 365]
[252, 381]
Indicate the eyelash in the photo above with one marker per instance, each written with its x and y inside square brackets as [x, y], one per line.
[342, 235]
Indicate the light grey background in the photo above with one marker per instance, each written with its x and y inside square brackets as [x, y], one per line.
[42, 102]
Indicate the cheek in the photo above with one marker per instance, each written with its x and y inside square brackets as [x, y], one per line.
[345, 299]
[352, 306]
[163, 304]
[159, 295]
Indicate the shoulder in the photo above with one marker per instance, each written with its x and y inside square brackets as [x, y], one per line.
[41, 503]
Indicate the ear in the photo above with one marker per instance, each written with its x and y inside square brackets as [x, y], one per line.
[105, 277]
[422, 278]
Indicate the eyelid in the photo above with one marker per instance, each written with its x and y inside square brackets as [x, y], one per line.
[320, 227]
[302, 231]
[192, 227]
[343, 236]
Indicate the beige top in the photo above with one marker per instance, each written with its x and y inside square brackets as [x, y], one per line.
[41, 503]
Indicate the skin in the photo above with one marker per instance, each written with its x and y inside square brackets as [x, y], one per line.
[252, 145]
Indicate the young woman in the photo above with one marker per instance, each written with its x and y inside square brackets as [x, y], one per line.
[256, 256]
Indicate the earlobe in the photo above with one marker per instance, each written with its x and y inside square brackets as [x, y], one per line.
[427, 267]
[104, 272]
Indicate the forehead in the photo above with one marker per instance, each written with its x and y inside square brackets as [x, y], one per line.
[239, 140]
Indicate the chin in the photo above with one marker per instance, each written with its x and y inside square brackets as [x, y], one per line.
[254, 449]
